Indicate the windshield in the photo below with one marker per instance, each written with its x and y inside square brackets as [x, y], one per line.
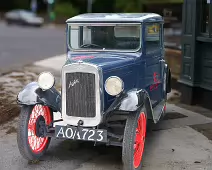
[105, 37]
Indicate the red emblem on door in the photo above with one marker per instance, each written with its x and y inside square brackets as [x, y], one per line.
[156, 82]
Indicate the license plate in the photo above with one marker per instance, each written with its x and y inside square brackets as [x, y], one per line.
[72, 132]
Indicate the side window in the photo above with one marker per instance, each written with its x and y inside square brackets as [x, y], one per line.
[206, 20]
[86, 35]
[79, 35]
[74, 36]
[152, 37]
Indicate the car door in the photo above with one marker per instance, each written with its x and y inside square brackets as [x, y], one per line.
[153, 50]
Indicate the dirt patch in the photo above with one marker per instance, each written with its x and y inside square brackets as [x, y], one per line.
[8, 111]
[205, 129]
[174, 98]
[8, 108]
[11, 129]
[11, 83]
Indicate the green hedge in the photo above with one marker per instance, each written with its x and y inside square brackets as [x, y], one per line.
[65, 10]
[128, 6]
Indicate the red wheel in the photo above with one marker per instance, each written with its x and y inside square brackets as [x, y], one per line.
[31, 138]
[140, 140]
[37, 143]
[134, 140]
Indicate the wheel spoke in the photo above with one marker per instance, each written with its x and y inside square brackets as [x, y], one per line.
[135, 146]
[143, 132]
[138, 138]
[31, 126]
[36, 142]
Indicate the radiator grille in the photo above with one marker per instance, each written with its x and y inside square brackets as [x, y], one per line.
[80, 94]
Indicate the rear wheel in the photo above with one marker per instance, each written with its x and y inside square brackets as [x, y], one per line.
[163, 112]
[31, 141]
[134, 140]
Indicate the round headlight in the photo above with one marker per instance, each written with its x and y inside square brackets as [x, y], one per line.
[46, 80]
[114, 85]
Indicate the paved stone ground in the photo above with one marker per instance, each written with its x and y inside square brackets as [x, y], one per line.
[170, 148]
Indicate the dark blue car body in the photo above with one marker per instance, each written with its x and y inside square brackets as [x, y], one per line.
[89, 110]
[135, 69]
[143, 71]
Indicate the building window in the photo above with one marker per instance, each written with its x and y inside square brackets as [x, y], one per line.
[205, 17]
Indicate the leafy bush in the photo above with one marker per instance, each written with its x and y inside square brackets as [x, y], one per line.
[128, 6]
[65, 10]
[21, 4]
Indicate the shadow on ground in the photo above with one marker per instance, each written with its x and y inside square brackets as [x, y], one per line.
[205, 129]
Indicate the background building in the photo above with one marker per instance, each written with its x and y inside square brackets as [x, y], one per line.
[196, 68]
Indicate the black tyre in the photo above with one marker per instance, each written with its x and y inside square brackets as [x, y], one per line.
[166, 91]
[134, 140]
[31, 142]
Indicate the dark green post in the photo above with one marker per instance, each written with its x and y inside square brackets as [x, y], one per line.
[196, 73]
[190, 73]
[50, 10]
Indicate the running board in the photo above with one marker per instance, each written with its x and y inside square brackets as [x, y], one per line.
[158, 111]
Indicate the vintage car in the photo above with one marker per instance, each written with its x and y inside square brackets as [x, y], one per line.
[114, 81]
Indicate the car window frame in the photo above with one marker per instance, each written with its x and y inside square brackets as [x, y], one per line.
[103, 23]
[160, 48]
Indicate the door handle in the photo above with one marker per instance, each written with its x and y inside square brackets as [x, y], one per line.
[162, 60]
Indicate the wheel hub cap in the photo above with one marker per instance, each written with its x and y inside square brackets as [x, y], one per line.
[40, 126]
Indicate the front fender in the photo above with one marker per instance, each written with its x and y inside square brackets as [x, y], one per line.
[131, 101]
[32, 94]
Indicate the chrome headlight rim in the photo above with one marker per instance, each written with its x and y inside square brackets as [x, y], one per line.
[40, 83]
[116, 77]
